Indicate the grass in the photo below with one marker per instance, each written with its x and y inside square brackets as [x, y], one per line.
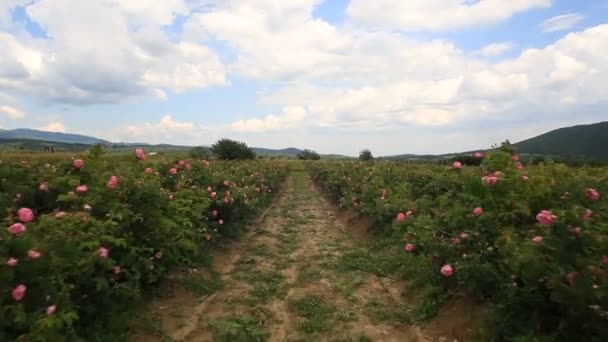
[237, 329]
[308, 274]
[266, 285]
[317, 313]
[202, 285]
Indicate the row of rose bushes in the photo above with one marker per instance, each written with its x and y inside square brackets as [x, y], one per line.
[83, 238]
[530, 243]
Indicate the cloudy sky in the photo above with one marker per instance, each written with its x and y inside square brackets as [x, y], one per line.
[394, 76]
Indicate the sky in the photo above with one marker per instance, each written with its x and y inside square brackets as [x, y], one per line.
[336, 76]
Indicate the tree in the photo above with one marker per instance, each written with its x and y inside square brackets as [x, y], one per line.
[232, 150]
[309, 155]
[200, 152]
[366, 155]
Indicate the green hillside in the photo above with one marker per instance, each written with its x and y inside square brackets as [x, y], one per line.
[589, 141]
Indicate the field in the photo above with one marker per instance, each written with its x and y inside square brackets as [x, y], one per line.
[167, 248]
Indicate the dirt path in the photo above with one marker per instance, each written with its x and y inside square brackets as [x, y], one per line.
[291, 280]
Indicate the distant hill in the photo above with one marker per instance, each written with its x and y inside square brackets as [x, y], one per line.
[35, 140]
[588, 141]
[32, 134]
[40, 145]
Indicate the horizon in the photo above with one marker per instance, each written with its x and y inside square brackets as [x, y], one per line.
[334, 76]
[301, 148]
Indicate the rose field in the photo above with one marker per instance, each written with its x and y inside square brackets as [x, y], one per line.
[85, 237]
[169, 248]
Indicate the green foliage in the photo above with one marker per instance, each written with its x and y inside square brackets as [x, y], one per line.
[149, 222]
[365, 155]
[553, 291]
[200, 152]
[308, 155]
[227, 149]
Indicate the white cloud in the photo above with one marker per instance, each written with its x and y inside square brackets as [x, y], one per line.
[131, 55]
[290, 118]
[561, 22]
[166, 126]
[459, 90]
[437, 14]
[12, 112]
[495, 49]
[54, 126]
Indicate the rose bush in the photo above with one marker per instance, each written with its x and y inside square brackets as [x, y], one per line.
[83, 238]
[529, 242]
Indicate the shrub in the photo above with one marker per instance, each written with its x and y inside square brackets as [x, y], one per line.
[227, 149]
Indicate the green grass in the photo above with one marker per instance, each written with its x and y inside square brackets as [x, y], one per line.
[318, 315]
[308, 274]
[238, 329]
[266, 285]
[202, 285]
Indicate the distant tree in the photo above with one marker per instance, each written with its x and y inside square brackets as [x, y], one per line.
[227, 149]
[366, 155]
[97, 150]
[309, 155]
[200, 152]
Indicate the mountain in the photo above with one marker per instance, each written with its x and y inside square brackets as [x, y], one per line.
[32, 134]
[587, 141]
[35, 140]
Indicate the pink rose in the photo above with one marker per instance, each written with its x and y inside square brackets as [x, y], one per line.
[226, 183]
[16, 229]
[19, 292]
[113, 182]
[158, 255]
[61, 214]
[592, 194]
[447, 270]
[410, 247]
[81, 189]
[139, 154]
[116, 269]
[478, 155]
[537, 240]
[181, 163]
[44, 186]
[149, 171]
[213, 194]
[515, 157]
[401, 217]
[457, 165]
[587, 215]
[214, 213]
[220, 221]
[519, 166]
[604, 259]
[173, 171]
[25, 215]
[12, 262]
[51, 310]
[546, 218]
[477, 211]
[525, 178]
[103, 252]
[78, 164]
[32, 254]
[489, 180]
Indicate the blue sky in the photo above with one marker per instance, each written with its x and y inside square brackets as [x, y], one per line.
[395, 76]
